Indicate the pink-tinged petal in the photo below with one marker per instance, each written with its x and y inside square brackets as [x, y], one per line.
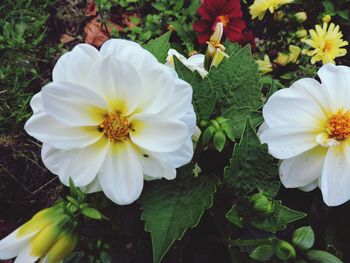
[121, 176]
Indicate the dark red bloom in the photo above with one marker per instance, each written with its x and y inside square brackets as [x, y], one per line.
[248, 38]
[226, 11]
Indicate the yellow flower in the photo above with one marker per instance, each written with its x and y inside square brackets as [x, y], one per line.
[264, 66]
[215, 51]
[294, 52]
[326, 43]
[260, 7]
[282, 59]
[50, 235]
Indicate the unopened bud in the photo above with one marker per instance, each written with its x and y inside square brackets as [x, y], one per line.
[300, 17]
[326, 18]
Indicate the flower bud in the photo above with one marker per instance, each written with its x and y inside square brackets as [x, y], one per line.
[282, 59]
[301, 33]
[300, 17]
[294, 52]
[261, 203]
[278, 16]
[326, 18]
[283, 250]
[264, 66]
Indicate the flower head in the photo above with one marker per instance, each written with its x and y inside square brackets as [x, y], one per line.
[327, 44]
[50, 235]
[228, 12]
[113, 117]
[260, 7]
[308, 127]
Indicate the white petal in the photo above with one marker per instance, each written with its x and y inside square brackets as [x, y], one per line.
[336, 80]
[82, 165]
[121, 176]
[304, 169]
[181, 100]
[48, 130]
[128, 51]
[288, 141]
[309, 187]
[73, 105]
[36, 103]
[335, 180]
[25, 255]
[156, 133]
[93, 187]
[263, 127]
[158, 88]
[11, 245]
[190, 120]
[154, 167]
[75, 66]
[181, 156]
[118, 82]
[292, 107]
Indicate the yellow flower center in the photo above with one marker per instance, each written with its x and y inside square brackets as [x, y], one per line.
[224, 20]
[327, 47]
[115, 127]
[338, 126]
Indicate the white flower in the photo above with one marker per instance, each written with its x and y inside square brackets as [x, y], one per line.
[111, 117]
[308, 127]
[195, 62]
[50, 236]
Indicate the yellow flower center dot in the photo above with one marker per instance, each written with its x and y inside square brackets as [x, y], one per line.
[327, 47]
[339, 126]
[115, 127]
[224, 20]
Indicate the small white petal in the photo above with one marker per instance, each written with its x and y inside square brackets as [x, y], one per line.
[75, 66]
[263, 127]
[11, 245]
[335, 180]
[288, 141]
[304, 169]
[82, 165]
[336, 81]
[73, 105]
[153, 166]
[36, 103]
[121, 176]
[48, 130]
[181, 156]
[310, 187]
[158, 134]
[93, 187]
[118, 82]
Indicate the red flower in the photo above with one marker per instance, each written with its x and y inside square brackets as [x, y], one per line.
[226, 11]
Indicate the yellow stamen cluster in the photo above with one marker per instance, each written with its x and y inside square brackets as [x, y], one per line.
[326, 43]
[115, 127]
[338, 126]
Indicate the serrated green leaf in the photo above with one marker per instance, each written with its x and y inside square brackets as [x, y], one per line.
[159, 47]
[262, 253]
[303, 238]
[251, 166]
[278, 220]
[170, 208]
[237, 117]
[203, 95]
[236, 81]
[318, 256]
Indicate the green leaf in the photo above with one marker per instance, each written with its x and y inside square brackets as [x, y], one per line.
[91, 213]
[208, 134]
[170, 208]
[236, 80]
[303, 238]
[159, 47]
[277, 220]
[283, 250]
[237, 117]
[318, 256]
[234, 217]
[262, 253]
[203, 95]
[251, 166]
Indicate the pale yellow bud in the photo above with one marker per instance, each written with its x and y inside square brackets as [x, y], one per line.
[300, 17]
[301, 33]
[326, 18]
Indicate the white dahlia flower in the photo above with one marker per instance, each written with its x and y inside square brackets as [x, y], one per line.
[113, 117]
[308, 127]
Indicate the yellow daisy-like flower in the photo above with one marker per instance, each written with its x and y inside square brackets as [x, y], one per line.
[260, 7]
[327, 43]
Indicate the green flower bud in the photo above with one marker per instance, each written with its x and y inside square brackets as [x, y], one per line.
[300, 17]
[261, 203]
[283, 250]
[301, 33]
